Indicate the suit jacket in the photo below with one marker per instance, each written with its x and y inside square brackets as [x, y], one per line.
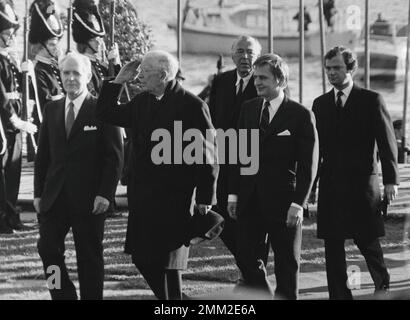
[287, 163]
[160, 194]
[225, 108]
[349, 193]
[223, 103]
[88, 162]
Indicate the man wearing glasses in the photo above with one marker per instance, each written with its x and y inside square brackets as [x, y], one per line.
[229, 90]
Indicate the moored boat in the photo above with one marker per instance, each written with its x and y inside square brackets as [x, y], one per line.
[387, 48]
[213, 29]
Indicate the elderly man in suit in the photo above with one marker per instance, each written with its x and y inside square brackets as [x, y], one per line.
[354, 126]
[270, 202]
[228, 92]
[161, 191]
[77, 169]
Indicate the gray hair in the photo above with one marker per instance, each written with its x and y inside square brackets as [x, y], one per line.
[83, 60]
[256, 44]
[164, 61]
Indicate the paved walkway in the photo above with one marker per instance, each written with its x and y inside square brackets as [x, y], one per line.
[312, 284]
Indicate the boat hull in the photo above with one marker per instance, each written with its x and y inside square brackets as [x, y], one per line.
[213, 42]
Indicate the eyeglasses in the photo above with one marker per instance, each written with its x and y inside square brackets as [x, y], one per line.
[242, 52]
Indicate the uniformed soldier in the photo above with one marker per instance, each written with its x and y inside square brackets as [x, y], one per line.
[45, 33]
[10, 112]
[88, 32]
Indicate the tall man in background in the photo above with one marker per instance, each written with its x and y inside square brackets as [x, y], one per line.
[354, 128]
[228, 92]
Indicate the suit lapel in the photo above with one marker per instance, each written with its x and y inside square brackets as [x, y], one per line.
[281, 116]
[352, 97]
[231, 102]
[83, 115]
[60, 119]
[250, 90]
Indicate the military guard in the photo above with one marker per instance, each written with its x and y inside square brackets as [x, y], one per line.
[45, 33]
[10, 112]
[88, 33]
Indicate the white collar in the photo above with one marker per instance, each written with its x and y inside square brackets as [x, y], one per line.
[245, 79]
[346, 91]
[275, 103]
[78, 102]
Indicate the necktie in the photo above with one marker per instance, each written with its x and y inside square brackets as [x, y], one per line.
[265, 118]
[69, 121]
[339, 103]
[240, 90]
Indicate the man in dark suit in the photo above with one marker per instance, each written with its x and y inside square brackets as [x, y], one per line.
[353, 126]
[270, 202]
[160, 190]
[228, 91]
[77, 169]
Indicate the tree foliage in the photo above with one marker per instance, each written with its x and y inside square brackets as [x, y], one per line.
[134, 37]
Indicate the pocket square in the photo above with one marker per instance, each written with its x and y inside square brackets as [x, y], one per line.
[90, 128]
[284, 133]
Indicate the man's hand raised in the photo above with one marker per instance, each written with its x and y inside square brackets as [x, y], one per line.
[129, 72]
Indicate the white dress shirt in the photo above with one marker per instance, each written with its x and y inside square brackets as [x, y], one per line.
[78, 102]
[346, 92]
[274, 105]
[245, 81]
[273, 109]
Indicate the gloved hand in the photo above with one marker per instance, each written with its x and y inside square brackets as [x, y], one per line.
[114, 55]
[28, 66]
[26, 126]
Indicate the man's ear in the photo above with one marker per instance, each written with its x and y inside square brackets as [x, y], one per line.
[163, 75]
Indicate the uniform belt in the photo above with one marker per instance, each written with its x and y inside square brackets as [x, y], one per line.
[13, 95]
[57, 97]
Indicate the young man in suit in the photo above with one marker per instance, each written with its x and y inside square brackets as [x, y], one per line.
[228, 92]
[161, 192]
[354, 129]
[76, 173]
[270, 202]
